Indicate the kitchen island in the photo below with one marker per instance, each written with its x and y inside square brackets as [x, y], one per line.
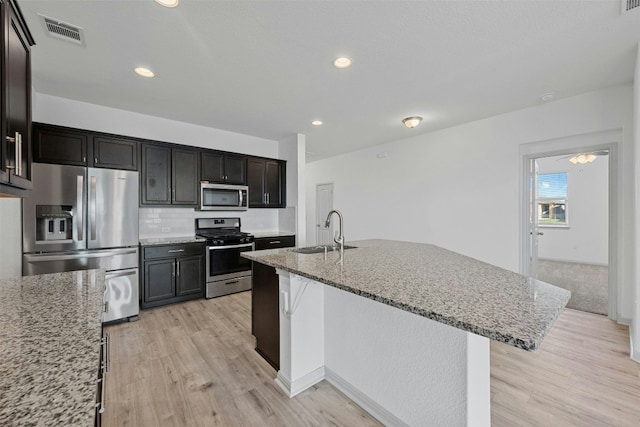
[403, 328]
[50, 335]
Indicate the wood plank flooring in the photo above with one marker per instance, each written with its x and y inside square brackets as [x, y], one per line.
[193, 364]
[580, 376]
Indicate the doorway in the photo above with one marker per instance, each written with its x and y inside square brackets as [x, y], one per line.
[569, 223]
[324, 204]
[570, 207]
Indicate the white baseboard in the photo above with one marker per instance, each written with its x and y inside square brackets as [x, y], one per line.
[301, 384]
[623, 321]
[632, 353]
[362, 400]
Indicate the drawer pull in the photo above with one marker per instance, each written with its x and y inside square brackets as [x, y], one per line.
[275, 242]
[172, 251]
[233, 282]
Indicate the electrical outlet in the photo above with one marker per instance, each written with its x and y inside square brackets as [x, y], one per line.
[166, 229]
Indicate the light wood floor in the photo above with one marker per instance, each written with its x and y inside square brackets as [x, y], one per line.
[193, 364]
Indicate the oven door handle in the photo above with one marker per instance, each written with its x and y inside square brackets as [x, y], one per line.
[215, 248]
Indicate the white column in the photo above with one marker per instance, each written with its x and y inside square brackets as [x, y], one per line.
[301, 333]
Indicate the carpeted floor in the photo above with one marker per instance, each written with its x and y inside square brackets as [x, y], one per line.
[588, 283]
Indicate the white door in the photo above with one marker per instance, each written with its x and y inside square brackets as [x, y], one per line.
[324, 204]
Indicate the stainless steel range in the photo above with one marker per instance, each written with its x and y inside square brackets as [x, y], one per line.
[226, 271]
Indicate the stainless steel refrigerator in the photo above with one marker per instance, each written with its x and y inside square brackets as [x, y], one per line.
[80, 218]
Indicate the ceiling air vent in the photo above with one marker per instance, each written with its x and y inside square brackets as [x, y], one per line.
[629, 5]
[62, 30]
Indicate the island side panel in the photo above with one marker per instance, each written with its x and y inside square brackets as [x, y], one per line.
[403, 368]
[478, 381]
[301, 333]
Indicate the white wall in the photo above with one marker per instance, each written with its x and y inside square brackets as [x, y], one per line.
[67, 112]
[586, 239]
[459, 187]
[10, 237]
[293, 150]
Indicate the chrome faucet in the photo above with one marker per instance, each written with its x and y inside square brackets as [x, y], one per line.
[339, 236]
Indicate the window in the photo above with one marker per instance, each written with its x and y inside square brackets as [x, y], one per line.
[552, 199]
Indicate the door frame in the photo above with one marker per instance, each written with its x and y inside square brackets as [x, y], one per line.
[317, 222]
[608, 139]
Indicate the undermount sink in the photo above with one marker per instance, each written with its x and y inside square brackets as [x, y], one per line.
[319, 249]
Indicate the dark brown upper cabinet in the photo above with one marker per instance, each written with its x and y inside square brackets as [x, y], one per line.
[169, 176]
[223, 168]
[155, 176]
[15, 110]
[68, 146]
[57, 145]
[184, 174]
[115, 153]
[267, 183]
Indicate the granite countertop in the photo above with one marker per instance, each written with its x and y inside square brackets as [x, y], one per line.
[50, 333]
[170, 240]
[265, 234]
[435, 283]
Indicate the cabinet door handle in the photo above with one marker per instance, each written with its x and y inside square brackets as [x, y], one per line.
[173, 269]
[106, 343]
[95, 160]
[171, 251]
[268, 198]
[19, 153]
[10, 138]
[106, 306]
[177, 268]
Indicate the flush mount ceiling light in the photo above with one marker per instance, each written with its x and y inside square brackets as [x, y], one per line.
[342, 62]
[583, 158]
[144, 72]
[412, 121]
[317, 122]
[546, 97]
[167, 3]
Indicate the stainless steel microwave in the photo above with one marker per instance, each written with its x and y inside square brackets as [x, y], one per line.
[223, 197]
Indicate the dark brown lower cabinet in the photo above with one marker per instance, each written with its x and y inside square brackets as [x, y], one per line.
[171, 273]
[265, 315]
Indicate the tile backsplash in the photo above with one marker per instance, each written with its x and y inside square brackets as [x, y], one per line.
[177, 222]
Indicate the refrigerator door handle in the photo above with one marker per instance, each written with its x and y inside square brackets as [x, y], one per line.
[92, 207]
[80, 215]
[76, 255]
[120, 273]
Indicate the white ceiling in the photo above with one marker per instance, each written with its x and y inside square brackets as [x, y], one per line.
[264, 68]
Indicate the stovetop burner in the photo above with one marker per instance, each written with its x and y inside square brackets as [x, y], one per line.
[221, 231]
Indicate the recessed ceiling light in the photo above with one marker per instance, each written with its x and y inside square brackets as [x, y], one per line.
[167, 3]
[144, 72]
[342, 62]
[546, 97]
[412, 121]
[317, 122]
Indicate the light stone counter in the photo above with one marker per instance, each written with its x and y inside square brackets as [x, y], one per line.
[435, 283]
[267, 234]
[152, 241]
[50, 332]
